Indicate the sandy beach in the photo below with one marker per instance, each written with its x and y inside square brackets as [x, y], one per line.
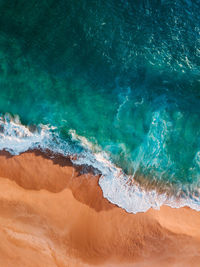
[54, 214]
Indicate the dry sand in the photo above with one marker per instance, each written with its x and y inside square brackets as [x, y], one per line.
[54, 214]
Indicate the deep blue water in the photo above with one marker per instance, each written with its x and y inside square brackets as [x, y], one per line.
[124, 74]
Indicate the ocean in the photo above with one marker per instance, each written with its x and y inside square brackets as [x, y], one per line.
[115, 83]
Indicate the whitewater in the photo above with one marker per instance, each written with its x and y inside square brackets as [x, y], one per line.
[115, 184]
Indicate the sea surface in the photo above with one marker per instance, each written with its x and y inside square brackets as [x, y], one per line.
[114, 82]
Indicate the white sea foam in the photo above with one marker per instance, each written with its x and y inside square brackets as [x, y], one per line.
[17, 138]
[116, 189]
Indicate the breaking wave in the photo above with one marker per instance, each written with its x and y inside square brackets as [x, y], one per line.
[118, 187]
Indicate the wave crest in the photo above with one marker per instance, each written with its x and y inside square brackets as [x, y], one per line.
[17, 138]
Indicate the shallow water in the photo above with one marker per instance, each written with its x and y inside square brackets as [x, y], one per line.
[116, 78]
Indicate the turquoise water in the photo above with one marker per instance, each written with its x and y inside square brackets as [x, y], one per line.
[124, 74]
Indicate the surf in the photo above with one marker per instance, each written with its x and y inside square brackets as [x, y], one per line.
[115, 184]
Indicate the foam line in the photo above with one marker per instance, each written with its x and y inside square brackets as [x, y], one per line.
[17, 138]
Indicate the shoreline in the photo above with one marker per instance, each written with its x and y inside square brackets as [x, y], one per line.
[53, 213]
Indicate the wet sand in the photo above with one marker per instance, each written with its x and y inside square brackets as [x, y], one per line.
[54, 214]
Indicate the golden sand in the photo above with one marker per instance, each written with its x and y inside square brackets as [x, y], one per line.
[54, 214]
